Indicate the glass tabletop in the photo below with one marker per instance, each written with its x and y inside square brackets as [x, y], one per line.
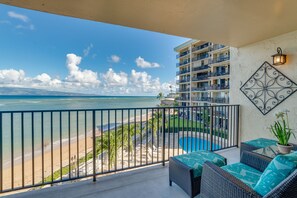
[270, 151]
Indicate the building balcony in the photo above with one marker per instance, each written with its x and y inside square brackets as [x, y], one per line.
[194, 49]
[199, 89]
[217, 47]
[183, 90]
[219, 59]
[202, 99]
[185, 62]
[218, 87]
[200, 78]
[182, 72]
[200, 57]
[183, 80]
[216, 74]
[183, 54]
[203, 67]
[183, 98]
[220, 100]
[76, 144]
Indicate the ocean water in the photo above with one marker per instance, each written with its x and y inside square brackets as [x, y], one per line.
[68, 124]
[11, 103]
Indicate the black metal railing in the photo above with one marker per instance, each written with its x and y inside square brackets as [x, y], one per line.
[39, 148]
[183, 80]
[220, 73]
[182, 54]
[200, 47]
[203, 67]
[182, 72]
[217, 46]
[220, 59]
[200, 57]
[218, 87]
[201, 77]
[183, 90]
[183, 63]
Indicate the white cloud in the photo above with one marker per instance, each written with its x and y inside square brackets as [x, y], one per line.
[87, 81]
[115, 79]
[115, 58]
[11, 76]
[21, 17]
[140, 62]
[80, 77]
[26, 21]
[87, 50]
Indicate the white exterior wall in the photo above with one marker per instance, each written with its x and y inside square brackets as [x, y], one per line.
[245, 61]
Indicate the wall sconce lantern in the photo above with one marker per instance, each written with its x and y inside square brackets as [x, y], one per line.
[279, 58]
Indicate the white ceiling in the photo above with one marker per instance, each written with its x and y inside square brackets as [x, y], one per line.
[231, 22]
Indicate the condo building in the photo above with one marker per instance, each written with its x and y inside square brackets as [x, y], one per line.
[203, 73]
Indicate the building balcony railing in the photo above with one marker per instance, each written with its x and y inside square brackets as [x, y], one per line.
[202, 99]
[182, 54]
[183, 90]
[183, 80]
[218, 87]
[217, 46]
[214, 74]
[182, 72]
[200, 68]
[200, 47]
[220, 100]
[220, 59]
[198, 78]
[183, 98]
[39, 148]
[183, 63]
[200, 57]
[199, 88]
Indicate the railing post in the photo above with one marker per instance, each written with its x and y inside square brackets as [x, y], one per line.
[1, 156]
[211, 128]
[94, 145]
[163, 130]
[237, 125]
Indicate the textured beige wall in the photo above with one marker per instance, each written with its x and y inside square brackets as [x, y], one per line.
[245, 61]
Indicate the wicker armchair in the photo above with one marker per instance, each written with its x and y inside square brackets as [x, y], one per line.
[217, 183]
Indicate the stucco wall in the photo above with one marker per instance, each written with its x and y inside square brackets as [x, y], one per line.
[244, 62]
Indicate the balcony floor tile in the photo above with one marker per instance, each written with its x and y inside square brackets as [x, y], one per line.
[145, 183]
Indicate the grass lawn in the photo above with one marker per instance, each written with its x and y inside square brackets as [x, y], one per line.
[178, 124]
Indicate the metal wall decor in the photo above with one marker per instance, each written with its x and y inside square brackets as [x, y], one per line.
[268, 87]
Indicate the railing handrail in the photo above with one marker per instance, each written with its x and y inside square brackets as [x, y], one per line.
[103, 109]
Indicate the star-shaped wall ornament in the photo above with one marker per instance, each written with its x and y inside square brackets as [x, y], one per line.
[268, 87]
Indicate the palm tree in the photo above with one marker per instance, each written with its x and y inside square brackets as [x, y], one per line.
[160, 96]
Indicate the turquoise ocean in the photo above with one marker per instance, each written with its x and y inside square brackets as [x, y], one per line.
[74, 123]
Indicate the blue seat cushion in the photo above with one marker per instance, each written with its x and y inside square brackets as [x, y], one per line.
[195, 160]
[277, 170]
[261, 142]
[245, 173]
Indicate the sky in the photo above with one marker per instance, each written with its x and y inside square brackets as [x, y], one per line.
[46, 51]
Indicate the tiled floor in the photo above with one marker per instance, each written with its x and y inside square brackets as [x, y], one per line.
[141, 183]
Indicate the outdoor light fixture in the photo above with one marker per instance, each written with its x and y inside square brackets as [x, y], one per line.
[279, 58]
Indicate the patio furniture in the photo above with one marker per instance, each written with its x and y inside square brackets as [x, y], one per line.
[258, 144]
[255, 176]
[185, 170]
